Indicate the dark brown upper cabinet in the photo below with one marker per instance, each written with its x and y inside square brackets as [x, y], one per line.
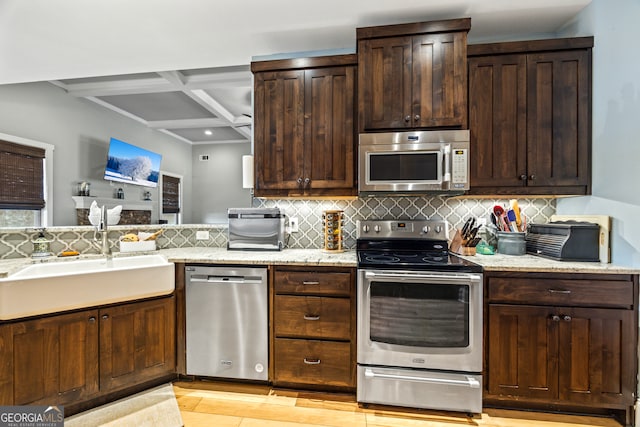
[304, 129]
[413, 76]
[530, 117]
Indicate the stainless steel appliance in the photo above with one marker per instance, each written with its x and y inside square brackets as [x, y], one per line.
[413, 162]
[256, 229]
[227, 322]
[419, 318]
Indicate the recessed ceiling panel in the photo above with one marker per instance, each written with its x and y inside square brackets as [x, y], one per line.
[217, 134]
[159, 106]
[237, 100]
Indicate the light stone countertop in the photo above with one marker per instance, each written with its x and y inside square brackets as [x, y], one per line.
[317, 257]
[533, 264]
[303, 257]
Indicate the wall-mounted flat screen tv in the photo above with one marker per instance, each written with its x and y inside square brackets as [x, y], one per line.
[132, 165]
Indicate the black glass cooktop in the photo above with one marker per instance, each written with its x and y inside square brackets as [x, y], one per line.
[409, 255]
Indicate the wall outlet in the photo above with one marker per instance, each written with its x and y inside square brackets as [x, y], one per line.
[293, 224]
[202, 235]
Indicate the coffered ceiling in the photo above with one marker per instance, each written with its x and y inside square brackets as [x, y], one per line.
[201, 106]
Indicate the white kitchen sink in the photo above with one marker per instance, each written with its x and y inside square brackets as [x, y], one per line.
[67, 285]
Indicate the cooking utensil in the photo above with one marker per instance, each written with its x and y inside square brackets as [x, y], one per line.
[498, 210]
[512, 220]
[516, 209]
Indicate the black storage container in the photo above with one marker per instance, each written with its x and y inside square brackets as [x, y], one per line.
[564, 240]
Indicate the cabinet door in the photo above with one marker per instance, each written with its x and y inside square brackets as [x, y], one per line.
[596, 355]
[279, 131]
[137, 342]
[439, 80]
[522, 359]
[558, 116]
[384, 68]
[53, 359]
[329, 129]
[497, 121]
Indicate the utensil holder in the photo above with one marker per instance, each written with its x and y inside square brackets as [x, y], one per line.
[332, 229]
[511, 243]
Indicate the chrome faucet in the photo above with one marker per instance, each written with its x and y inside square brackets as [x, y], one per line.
[102, 227]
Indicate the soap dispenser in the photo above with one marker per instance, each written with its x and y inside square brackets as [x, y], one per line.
[41, 246]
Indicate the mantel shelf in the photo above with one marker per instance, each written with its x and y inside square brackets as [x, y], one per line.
[84, 202]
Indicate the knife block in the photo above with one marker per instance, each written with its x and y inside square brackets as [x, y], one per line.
[457, 245]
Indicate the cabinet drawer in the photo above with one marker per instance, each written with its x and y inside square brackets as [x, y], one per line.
[601, 293]
[313, 362]
[313, 282]
[312, 317]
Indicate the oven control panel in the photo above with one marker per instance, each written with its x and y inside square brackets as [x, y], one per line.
[403, 229]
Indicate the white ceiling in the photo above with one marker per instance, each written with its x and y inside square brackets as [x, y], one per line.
[182, 66]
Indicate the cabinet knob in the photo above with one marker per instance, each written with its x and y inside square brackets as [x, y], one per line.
[407, 119]
[555, 318]
[416, 117]
[105, 316]
[92, 319]
[532, 177]
[523, 177]
[307, 181]
[567, 318]
[299, 181]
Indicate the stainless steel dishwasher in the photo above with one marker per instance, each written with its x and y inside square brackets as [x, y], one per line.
[227, 322]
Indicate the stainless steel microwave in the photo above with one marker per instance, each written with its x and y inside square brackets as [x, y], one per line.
[413, 162]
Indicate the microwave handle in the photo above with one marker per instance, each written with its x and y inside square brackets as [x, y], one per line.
[446, 176]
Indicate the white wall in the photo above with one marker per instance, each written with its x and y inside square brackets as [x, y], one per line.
[616, 123]
[80, 131]
[219, 181]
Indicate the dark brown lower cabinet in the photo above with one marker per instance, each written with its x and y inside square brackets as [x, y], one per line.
[50, 360]
[562, 342]
[72, 358]
[137, 343]
[314, 327]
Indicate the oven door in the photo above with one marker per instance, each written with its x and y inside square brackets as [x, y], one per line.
[413, 319]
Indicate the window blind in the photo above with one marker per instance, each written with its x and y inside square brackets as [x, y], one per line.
[170, 194]
[21, 176]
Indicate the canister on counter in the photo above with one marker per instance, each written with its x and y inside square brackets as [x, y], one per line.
[510, 243]
[332, 226]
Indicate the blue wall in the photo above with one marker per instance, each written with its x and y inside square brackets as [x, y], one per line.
[616, 123]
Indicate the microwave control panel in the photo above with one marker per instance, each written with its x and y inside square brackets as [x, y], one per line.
[459, 167]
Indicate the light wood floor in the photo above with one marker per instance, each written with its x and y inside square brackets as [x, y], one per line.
[221, 404]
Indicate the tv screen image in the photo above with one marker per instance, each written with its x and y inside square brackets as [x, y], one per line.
[133, 165]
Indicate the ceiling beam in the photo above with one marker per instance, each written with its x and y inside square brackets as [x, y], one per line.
[187, 123]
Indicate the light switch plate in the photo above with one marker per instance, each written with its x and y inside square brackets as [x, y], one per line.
[202, 235]
[293, 224]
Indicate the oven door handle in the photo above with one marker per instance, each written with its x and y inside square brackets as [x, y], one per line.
[470, 381]
[429, 276]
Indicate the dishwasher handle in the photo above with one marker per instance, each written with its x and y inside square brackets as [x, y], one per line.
[227, 280]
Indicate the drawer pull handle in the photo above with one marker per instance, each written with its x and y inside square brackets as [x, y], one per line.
[311, 361]
[311, 317]
[557, 291]
[306, 282]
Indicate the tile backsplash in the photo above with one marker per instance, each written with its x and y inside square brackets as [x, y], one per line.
[454, 210]
[17, 242]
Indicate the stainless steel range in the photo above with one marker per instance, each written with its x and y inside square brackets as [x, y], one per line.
[419, 318]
